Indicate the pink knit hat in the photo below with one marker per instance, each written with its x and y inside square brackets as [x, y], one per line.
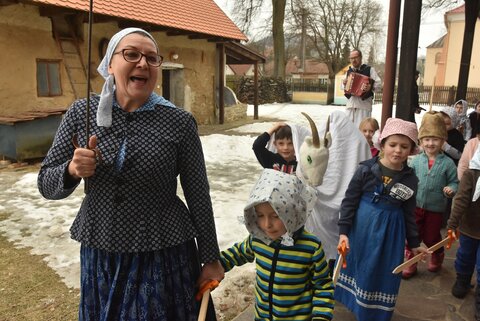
[397, 126]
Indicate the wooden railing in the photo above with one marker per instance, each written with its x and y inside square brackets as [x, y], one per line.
[308, 85]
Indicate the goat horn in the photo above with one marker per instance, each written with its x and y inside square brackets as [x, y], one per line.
[315, 138]
[326, 132]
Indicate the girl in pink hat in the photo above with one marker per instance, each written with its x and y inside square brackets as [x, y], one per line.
[376, 217]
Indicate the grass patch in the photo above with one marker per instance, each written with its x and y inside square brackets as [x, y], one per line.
[30, 290]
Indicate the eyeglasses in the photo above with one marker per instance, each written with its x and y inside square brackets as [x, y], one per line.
[132, 55]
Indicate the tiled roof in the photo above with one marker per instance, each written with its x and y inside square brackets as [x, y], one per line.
[240, 70]
[437, 43]
[311, 67]
[199, 16]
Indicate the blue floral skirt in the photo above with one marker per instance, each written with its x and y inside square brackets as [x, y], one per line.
[145, 286]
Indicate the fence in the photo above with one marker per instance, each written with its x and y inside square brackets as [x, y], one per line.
[306, 85]
[442, 95]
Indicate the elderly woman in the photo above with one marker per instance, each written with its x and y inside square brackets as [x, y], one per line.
[463, 125]
[139, 259]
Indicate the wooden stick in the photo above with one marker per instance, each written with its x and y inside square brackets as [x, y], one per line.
[89, 62]
[446, 241]
[431, 94]
[341, 262]
[336, 271]
[204, 306]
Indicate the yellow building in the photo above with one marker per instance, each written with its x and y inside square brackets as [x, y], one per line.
[443, 58]
[43, 50]
[339, 94]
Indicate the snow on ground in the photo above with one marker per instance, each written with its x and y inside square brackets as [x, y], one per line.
[43, 225]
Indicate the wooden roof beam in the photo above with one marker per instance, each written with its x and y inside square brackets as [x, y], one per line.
[4, 3]
[51, 11]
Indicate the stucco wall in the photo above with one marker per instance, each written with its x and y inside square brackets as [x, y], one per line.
[198, 59]
[430, 65]
[26, 36]
[302, 97]
[447, 68]
[456, 30]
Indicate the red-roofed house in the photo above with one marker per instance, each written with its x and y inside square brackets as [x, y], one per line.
[442, 62]
[308, 82]
[43, 50]
[313, 69]
[239, 70]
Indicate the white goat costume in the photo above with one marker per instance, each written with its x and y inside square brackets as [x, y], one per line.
[349, 147]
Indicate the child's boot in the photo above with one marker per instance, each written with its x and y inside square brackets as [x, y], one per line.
[461, 286]
[436, 261]
[412, 269]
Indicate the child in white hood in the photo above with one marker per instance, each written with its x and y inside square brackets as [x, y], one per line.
[292, 281]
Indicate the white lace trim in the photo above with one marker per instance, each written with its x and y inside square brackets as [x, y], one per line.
[350, 285]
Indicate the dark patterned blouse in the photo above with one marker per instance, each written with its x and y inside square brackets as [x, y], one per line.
[135, 208]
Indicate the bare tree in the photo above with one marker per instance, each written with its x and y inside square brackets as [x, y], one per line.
[433, 6]
[333, 24]
[247, 12]
[439, 4]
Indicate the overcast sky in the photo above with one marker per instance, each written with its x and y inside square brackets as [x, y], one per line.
[432, 25]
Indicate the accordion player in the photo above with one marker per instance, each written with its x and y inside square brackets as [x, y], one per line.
[355, 84]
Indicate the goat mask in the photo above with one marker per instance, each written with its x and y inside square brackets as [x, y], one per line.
[314, 154]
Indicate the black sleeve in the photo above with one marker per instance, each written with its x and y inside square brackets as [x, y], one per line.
[194, 181]
[411, 228]
[350, 202]
[458, 141]
[415, 97]
[264, 156]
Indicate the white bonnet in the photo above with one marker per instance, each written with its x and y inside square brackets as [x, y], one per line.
[104, 112]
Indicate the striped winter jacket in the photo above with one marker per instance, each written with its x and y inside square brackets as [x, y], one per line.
[292, 282]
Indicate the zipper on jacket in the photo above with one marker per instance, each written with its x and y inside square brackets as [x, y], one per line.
[271, 281]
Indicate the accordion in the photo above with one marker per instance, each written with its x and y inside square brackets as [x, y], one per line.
[355, 83]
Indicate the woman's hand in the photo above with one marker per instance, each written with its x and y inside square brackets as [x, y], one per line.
[211, 271]
[84, 160]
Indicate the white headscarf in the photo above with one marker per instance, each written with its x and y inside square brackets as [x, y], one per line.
[452, 113]
[104, 112]
[475, 164]
[291, 199]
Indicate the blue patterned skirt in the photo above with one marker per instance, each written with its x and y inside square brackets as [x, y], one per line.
[367, 286]
[146, 286]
